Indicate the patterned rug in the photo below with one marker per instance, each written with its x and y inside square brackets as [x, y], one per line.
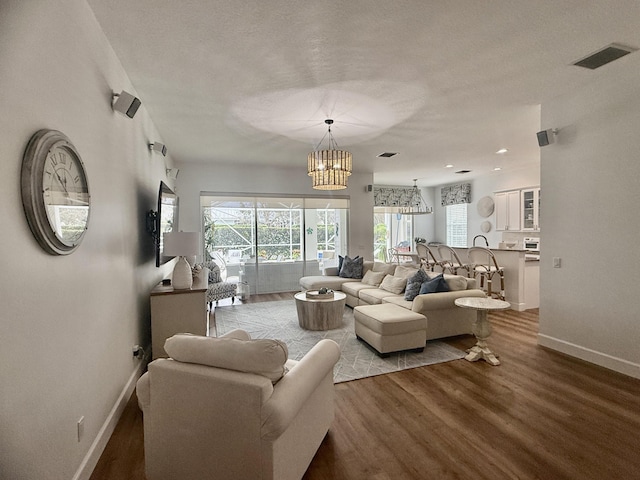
[279, 320]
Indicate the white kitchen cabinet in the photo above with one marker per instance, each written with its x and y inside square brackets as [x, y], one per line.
[531, 210]
[507, 208]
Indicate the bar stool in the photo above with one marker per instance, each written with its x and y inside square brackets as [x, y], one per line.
[450, 261]
[427, 260]
[484, 264]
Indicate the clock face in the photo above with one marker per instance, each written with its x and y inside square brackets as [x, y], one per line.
[55, 192]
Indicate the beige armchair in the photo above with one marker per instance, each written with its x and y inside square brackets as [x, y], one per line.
[235, 408]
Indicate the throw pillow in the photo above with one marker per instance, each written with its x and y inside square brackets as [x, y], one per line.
[387, 268]
[393, 284]
[263, 357]
[404, 271]
[214, 273]
[373, 278]
[454, 282]
[414, 283]
[341, 261]
[351, 267]
[436, 284]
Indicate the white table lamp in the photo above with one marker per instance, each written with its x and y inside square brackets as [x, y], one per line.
[182, 245]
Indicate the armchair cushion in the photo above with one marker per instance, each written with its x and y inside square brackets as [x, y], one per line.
[262, 357]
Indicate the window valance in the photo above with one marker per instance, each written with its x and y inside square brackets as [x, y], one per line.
[392, 196]
[455, 194]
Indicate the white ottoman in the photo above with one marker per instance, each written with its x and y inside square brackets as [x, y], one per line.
[390, 328]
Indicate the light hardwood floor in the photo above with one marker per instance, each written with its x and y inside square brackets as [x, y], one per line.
[539, 415]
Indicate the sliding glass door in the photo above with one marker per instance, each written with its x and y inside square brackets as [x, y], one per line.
[391, 229]
[270, 242]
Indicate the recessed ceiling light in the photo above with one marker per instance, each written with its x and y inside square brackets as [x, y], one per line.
[502, 150]
[497, 168]
[448, 165]
[388, 154]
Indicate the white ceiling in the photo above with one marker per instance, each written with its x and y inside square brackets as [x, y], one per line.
[252, 81]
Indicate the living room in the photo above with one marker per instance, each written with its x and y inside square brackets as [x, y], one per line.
[69, 322]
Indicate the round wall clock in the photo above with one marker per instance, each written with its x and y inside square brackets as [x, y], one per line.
[55, 192]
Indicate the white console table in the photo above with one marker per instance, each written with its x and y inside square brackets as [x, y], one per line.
[178, 311]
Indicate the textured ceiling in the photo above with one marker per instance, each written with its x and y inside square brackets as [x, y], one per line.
[251, 82]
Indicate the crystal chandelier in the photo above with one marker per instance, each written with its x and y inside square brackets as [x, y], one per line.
[415, 204]
[330, 168]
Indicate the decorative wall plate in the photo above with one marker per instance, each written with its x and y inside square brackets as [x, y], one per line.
[485, 206]
[485, 226]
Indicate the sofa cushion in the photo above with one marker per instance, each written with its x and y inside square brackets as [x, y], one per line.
[262, 357]
[398, 300]
[414, 283]
[373, 278]
[405, 272]
[375, 296]
[393, 284]
[353, 288]
[351, 267]
[454, 282]
[436, 284]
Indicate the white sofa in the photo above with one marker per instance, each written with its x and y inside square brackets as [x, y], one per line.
[444, 318]
[212, 410]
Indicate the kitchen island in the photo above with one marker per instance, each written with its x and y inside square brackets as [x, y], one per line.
[521, 276]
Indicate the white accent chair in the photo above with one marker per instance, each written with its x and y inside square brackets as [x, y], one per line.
[219, 409]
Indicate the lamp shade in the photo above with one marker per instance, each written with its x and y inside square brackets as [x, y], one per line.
[181, 243]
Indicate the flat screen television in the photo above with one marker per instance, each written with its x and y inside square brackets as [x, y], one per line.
[166, 220]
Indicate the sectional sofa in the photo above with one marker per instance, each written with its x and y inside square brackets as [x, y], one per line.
[385, 285]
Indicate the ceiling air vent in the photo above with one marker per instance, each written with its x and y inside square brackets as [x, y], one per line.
[603, 56]
[388, 154]
[463, 171]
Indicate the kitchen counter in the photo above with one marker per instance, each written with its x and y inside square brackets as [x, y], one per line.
[521, 276]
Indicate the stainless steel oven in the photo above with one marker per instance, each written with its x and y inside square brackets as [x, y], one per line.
[532, 245]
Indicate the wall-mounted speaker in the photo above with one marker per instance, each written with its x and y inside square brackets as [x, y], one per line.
[126, 103]
[546, 137]
[158, 147]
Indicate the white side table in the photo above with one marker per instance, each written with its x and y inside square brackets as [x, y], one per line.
[482, 327]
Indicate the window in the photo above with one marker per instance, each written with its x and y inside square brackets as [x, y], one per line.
[391, 229]
[456, 217]
[270, 242]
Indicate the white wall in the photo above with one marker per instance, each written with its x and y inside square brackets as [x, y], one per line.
[590, 306]
[68, 323]
[481, 187]
[220, 178]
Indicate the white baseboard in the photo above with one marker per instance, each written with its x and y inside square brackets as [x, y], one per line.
[90, 460]
[604, 360]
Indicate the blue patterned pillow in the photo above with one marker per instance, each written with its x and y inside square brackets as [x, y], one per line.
[436, 284]
[351, 267]
[414, 283]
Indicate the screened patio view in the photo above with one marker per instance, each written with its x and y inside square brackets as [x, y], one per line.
[269, 243]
